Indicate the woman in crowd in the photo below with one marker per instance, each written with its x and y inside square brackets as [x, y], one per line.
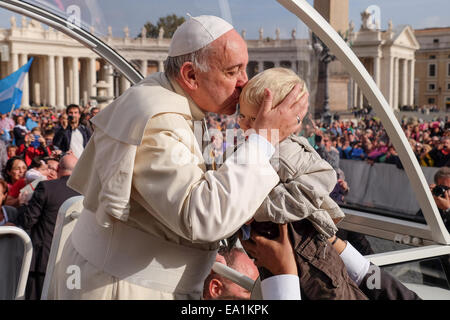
[14, 175]
[34, 146]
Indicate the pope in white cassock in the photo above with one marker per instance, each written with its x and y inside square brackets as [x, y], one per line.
[153, 216]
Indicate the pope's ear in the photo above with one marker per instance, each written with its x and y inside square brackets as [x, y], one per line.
[188, 76]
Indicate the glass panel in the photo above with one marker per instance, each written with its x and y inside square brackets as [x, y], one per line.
[275, 37]
[429, 272]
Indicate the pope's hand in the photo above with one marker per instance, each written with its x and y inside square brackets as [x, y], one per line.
[286, 117]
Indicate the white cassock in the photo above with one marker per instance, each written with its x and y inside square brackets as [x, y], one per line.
[153, 215]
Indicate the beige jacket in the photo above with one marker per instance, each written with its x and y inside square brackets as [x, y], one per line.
[143, 167]
[306, 180]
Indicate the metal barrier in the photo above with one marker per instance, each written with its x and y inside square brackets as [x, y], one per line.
[26, 259]
[380, 185]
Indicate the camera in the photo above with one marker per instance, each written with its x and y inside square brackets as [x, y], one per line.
[439, 191]
[267, 229]
[70, 118]
[35, 143]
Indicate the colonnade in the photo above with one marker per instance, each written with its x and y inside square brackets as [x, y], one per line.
[398, 87]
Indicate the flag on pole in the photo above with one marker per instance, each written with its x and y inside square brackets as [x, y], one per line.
[11, 88]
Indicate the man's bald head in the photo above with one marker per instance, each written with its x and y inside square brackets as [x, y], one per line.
[66, 165]
[218, 287]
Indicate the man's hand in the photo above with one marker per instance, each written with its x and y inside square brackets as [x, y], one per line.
[442, 203]
[56, 153]
[42, 141]
[283, 117]
[28, 139]
[275, 255]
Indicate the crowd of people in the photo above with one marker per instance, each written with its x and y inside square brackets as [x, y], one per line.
[33, 141]
[365, 139]
[38, 151]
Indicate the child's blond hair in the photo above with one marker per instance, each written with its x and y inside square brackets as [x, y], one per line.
[279, 80]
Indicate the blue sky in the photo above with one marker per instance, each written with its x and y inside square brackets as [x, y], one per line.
[250, 14]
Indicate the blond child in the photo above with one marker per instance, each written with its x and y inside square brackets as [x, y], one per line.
[301, 198]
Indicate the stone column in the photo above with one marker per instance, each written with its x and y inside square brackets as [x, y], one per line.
[161, 66]
[396, 83]
[144, 67]
[390, 85]
[76, 81]
[355, 94]
[26, 86]
[260, 66]
[110, 80]
[124, 84]
[59, 82]
[405, 85]
[14, 62]
[37, 93]
[360, 98]
[276, 64]
[92, 78]
[412, 81]
[376, 70]
[51, 81]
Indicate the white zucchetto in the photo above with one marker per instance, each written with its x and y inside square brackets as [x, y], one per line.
[197, 33]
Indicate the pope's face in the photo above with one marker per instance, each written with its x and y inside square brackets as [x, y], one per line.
[219, 88]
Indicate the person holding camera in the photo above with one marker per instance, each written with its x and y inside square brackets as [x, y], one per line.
[441, 193]
[34, 146]
[440, 154]
[75, 136]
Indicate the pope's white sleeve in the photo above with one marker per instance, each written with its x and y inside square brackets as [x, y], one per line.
[199, 205]
[357, 266]
[281, 287]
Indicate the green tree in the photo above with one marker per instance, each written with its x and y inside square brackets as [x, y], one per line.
[169, 23]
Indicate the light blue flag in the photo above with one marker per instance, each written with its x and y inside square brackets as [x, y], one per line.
[11, 88]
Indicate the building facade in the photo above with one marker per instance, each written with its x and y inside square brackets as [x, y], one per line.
[432, 77]
[389, 56]
[65, 72]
